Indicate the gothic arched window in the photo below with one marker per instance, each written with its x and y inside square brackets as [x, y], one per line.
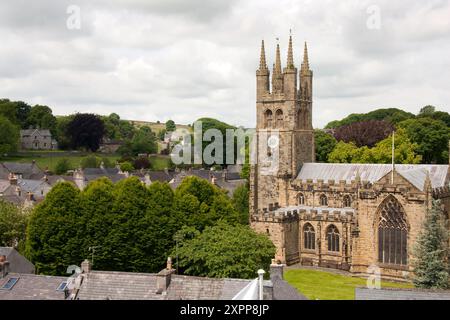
[279, 117]
[301, 199]
[309, 236]
[392, 233]
[333, 238]
[347, 201]
[323, 200]
[268, 117]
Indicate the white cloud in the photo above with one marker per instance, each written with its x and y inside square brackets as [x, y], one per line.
[178, 59]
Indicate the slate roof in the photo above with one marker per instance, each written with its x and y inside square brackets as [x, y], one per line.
[17, 262]
[4, 184]
[41, 132]
[100, 171]
[14, 199]
[30, 185]
[24, 169]
[102, 285]
[284, 291]
[228, 185]
[32, 287]
[414, 173]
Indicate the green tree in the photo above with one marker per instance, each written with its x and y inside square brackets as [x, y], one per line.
[62, 166]
[9, 136]
[62, 136]
[8, 110]
[427, 111]
[431, 266]
[170, 126]
[431, 137]
[53, 241]
[392, 115]
[97, 218]
[324, 144]
[405, 151]
[90, 162]
[86, 131]
[126, 166]
[144, 141]
[198, 203]
[13, 223]
[240, 202]
[42, 117]
[129, 234]
[224, 251]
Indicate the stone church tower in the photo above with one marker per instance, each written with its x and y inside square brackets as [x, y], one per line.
[285, 136]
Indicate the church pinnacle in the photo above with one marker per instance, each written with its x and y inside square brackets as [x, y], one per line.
[277, 69]
[262, 60]
[290, 57]
[305, 64]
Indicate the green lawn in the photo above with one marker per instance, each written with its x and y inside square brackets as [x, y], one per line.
[320, 285]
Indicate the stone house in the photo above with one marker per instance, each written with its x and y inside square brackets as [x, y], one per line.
[37, 139]
[356, 217]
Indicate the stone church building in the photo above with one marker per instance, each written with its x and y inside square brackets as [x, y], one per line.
[344, 216]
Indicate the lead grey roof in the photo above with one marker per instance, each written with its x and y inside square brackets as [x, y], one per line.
[414, 173]
[102, 285]
[33, 287]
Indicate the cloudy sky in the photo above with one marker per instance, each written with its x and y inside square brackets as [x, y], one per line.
[184, 59]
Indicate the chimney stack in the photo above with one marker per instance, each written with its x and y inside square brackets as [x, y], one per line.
[4, 267]
[12, 179]
[86, 266]
[163, 278]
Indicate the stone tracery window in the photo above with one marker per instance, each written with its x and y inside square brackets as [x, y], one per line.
[392, 233]
[279, 118]
[268, 117]
[323, 200]
[333, 238]
[309, 236]
[301, 199]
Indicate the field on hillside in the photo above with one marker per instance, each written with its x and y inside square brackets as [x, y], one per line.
[321, 285]
[156, 127]
[50, 159]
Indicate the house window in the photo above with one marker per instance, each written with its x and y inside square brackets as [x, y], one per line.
[333, 238]
[268, 119]
[347, 201]
[309, 236]
[279, 117]
[301, 199]
[323, 200]
[392, 233]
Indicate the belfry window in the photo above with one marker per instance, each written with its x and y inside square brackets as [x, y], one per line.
[279, 117]
[268, 119]
[347, 201]
[309, 236]
[323, 200]
[333, 238]
[392, 233]
[301, 199]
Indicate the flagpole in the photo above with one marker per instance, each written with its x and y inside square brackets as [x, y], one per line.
[393, 157]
